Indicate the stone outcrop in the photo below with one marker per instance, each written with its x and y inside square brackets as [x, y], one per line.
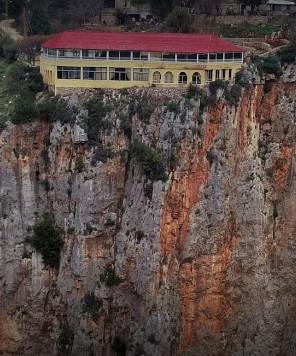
[202, 264]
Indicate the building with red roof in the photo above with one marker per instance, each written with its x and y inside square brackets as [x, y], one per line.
[126, 59]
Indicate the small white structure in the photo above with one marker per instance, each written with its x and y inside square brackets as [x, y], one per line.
[279, 6]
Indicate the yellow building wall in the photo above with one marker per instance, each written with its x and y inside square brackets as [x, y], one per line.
[48, 68]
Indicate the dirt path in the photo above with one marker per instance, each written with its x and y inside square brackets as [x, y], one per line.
[7, 27]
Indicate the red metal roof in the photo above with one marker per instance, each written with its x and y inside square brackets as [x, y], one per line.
[139, 41]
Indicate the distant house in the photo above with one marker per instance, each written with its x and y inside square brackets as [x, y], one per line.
[279, 6]
[112, 9]
[232, 7]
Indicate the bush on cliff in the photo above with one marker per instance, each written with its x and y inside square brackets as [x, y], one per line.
[150, 161]
[216, 85]
[96, 120]
[52, 109]
[23, 110]
[288, 54]
[23, 80]
[47, 240]
[91, 304]
[233, 94]
[271, 65]
[109, 277]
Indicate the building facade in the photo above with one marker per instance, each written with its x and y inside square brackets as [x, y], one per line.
[123, 60]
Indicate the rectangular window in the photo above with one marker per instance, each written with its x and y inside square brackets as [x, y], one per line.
[61, 53]
[76, 53]
[168, 57]
[114, 55]
[141, 74]
[217, 74]
[119, 74]
[223, 72]
[125, 55]
[52, 52]
[209, 75]
[143, 56]
[156, 56]
[68, 72]
[212, 57]
[238, 56]
[229, 57]
[219, 57]
[87, 53]
[184, 57]
[202, 57]
[69, 53]
[95, 73]
[230, 74]
[117, 55]
[100, 54]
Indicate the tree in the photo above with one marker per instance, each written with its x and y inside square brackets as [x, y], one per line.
[29, 48]
[179, 20]
[252, 3]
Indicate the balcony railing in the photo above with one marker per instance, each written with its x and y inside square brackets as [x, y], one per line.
[150, 58]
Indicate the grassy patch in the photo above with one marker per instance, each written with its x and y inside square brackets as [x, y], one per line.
[247, 30]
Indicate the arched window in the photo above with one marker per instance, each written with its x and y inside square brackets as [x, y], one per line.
[182, 78]
[196, 78]
[168, 77]
[156, 77]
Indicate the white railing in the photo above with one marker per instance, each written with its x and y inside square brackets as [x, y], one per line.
[149, 59]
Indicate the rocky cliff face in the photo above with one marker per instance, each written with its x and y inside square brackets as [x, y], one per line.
[202, 264]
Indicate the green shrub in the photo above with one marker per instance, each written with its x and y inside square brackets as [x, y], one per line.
[96, 121]
[288, 54]
[179, 20]
[46, 184]
[109, 277]
[91, 304]
[173, 106]
[47, 240]
[271, 65]
[3, 124]
[197, 93]
[23, 110]
[79, 166]
[101, 154]
[150, 161]
[118, 346]
[53, 109]
[193, 91]
[45, 156]
[126, 125]
[23, 80]
[144, 110]
[216, 85]
[65, 342]
[139, 235]
[242, 78]
[233, 94]
[7, 48]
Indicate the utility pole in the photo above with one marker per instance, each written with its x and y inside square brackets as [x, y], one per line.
[6, 9]
[24, 19]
